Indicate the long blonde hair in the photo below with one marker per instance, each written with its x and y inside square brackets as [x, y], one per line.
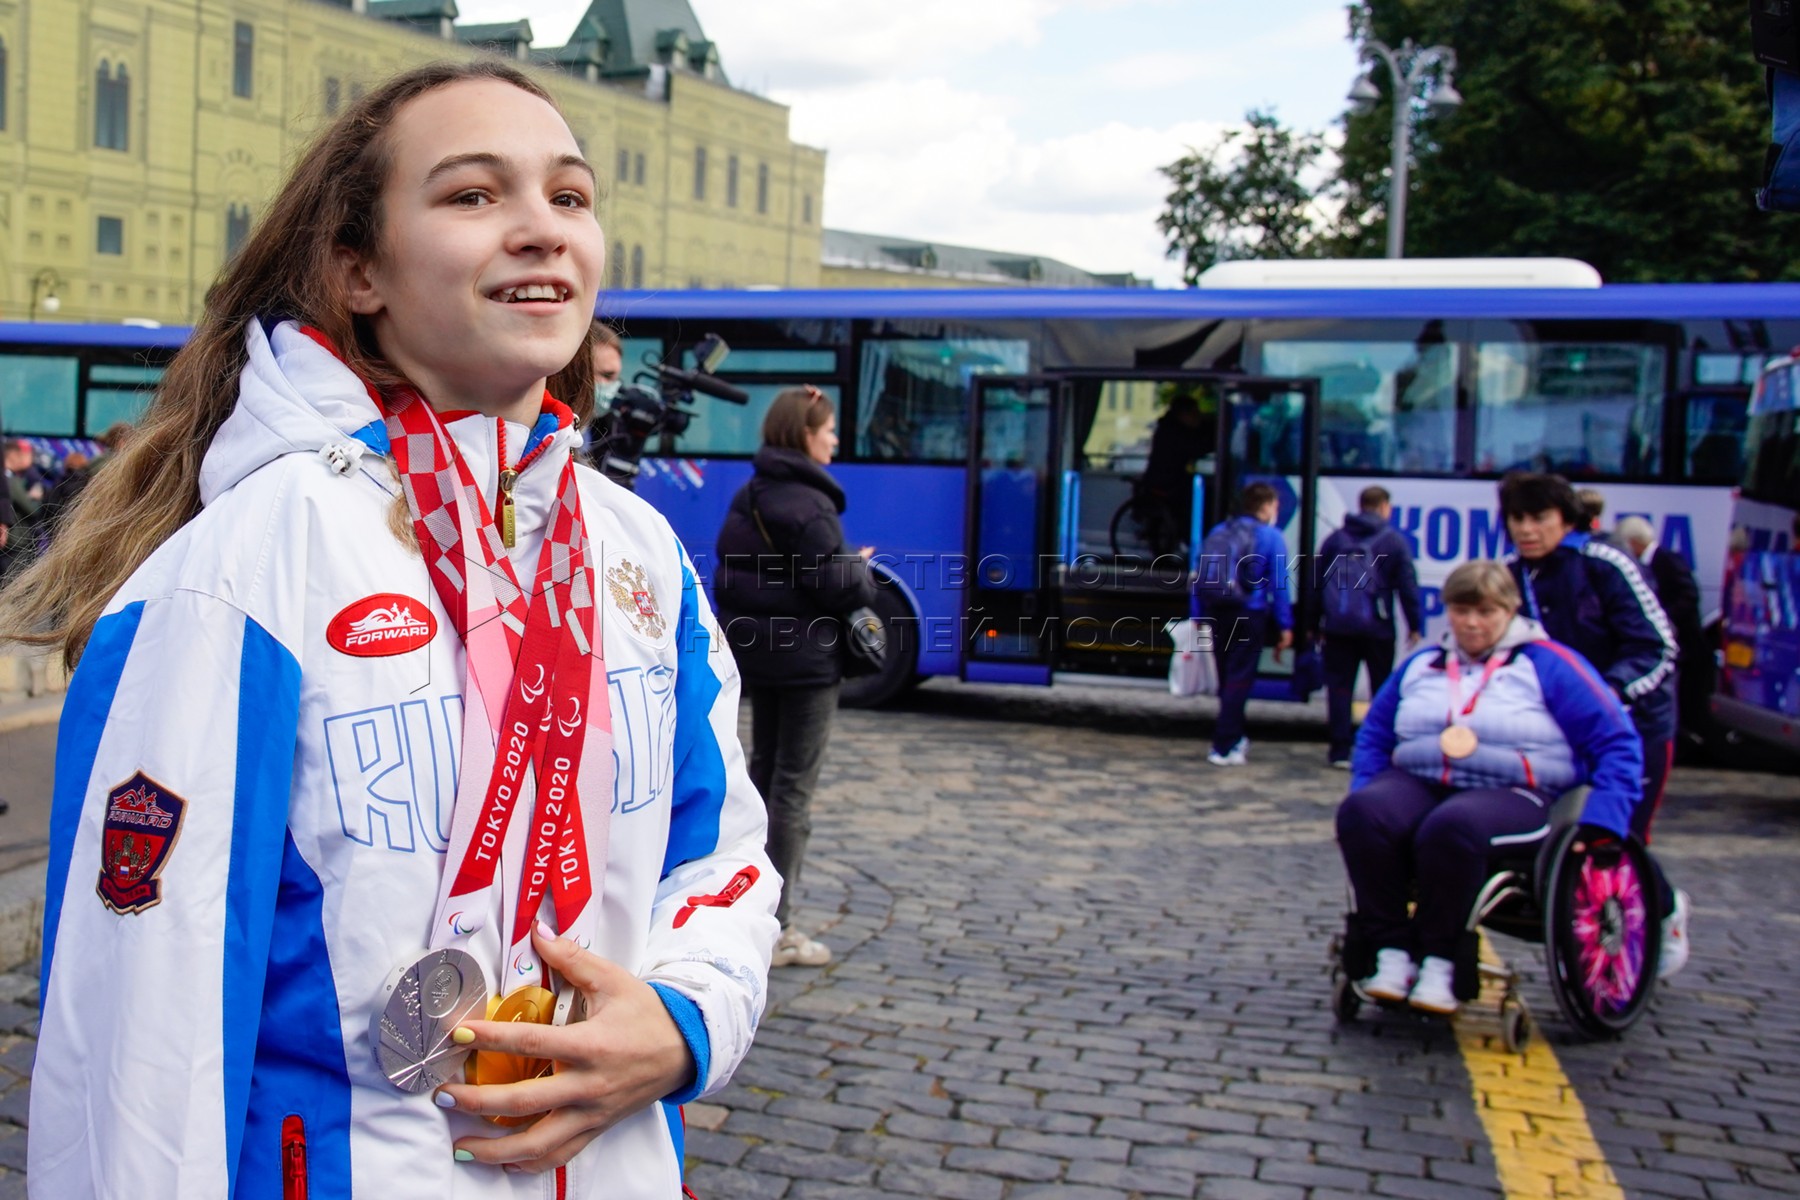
[151, 488]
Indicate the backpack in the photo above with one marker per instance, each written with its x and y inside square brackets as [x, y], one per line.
[1351, 600]
[1220, 579]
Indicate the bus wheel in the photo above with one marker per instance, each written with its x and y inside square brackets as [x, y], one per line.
[900, 670]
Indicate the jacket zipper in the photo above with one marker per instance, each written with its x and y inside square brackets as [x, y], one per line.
[503, 503]
[293, 1158]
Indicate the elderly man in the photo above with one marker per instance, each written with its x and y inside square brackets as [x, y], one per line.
[1679, 593]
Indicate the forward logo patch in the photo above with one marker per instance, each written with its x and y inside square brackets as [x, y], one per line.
[381, 625]
[143, 819]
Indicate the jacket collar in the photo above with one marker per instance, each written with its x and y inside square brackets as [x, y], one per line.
[777, 464]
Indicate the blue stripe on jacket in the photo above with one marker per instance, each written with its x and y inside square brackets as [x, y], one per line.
[699, 788]
[1604, 741]
[85, 711]
[260, 987]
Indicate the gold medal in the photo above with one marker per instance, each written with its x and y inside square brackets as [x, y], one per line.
[1458, 741]
[533, 1005]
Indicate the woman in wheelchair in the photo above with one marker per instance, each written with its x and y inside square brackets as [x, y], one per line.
[1460, 758]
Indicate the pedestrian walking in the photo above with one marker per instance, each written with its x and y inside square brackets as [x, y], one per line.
[1241, 587]
[1361, 572]
[1591, 595]
[786, 579]
[400, 743]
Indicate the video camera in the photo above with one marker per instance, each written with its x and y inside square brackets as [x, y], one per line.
[1775, 39]
[652, 405]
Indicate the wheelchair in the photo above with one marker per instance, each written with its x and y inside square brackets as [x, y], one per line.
[1588, 896]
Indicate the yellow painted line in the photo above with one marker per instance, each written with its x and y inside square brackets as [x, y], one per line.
[1543, 1145]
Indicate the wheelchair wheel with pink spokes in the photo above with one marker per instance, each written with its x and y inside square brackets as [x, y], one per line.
[1602, 929]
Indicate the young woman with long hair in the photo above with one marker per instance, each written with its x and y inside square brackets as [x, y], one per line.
[786, 579]
[401, 830]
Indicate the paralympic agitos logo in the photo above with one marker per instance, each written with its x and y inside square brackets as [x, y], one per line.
[381, 625]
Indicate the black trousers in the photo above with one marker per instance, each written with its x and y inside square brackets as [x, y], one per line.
[789, 728]
[1238, 635]
[1342, 655]
[1400, 831]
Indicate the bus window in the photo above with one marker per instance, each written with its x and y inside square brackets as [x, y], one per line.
[1383, 406]
[1581, 409]
[37, 394]
[772, 362]
[1715, 436]
[130, 393]
[1773, 473]
[914, 394]
[720, 427]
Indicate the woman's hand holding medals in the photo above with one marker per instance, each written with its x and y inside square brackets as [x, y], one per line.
[624, 1056]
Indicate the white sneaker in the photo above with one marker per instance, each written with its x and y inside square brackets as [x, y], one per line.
[1234, 757]
[1435, 991]
[795, 949]
[1393, 977]
[1675, 938]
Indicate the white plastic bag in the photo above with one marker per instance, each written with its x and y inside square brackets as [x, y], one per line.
[1192, 671]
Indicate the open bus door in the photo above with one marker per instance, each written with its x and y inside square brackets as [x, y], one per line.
[1085, 520]
[1010, 612]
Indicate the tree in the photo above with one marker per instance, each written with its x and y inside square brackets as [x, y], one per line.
[1253, 204]
[1628, 133]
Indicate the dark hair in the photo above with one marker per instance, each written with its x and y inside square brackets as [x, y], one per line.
[796, 414]
[602, 334]
[1373, 497]
[1253, 497]
[1527, 493]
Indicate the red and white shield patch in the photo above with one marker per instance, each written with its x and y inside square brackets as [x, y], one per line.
[143, 819]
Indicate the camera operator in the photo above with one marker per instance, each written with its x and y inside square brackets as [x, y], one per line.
[609, 364]
[637, 412]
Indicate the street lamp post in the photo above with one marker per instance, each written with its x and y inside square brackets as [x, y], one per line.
[1409, 66]
[46, 281]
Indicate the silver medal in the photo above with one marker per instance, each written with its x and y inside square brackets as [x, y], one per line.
[421, 1004]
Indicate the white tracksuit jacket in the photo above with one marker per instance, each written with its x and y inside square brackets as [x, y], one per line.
[314, 791]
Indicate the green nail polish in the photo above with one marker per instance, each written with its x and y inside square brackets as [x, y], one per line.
[464, 1156]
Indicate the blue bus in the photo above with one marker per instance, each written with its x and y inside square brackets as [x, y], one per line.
[1759, 682]
[993, 440]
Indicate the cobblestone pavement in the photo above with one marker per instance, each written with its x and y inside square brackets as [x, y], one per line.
[1074, 960]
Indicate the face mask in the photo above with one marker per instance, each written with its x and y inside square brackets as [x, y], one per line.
[604, 392]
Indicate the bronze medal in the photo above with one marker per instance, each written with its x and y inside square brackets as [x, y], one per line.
[1458, 741]
[534, 1005]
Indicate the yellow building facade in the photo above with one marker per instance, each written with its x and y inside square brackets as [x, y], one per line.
[140, 140]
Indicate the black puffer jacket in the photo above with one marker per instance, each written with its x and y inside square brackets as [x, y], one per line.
[779, 603]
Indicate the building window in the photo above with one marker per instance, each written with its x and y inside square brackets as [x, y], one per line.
[731, 181]
[699, 172]
[109, 235]
[333, 95]
[762, 187]
[356, 92]
[806, 209]
[623, 172]
[2, 83]
[637, 170]
[237, 228]
[618, 264]
[112, 105]
[637, 266]
[243, 60]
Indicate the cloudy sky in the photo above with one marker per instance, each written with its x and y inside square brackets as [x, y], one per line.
[1032, 126]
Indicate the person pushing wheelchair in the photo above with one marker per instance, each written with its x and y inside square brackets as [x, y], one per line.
[1463, 753]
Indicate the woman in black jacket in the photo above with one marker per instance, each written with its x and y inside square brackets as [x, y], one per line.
[786, 578]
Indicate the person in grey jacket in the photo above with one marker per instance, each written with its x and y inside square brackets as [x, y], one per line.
[786, 579]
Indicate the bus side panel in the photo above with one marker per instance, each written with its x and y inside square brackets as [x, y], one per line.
[1450, 521]
[910, 514]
